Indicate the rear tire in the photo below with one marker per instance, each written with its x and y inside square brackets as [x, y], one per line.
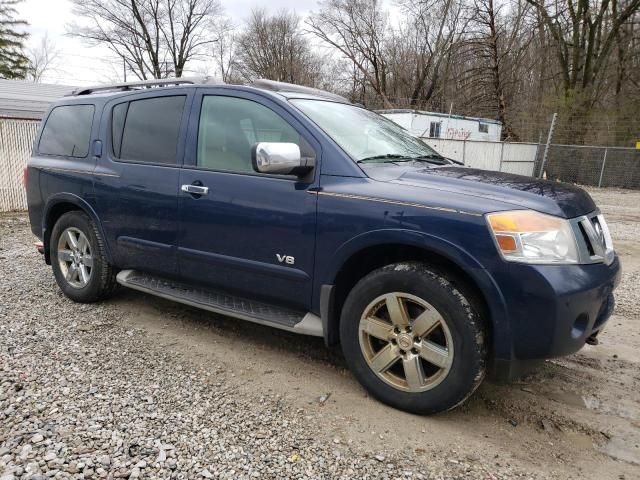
[412, 339]
[78, 259]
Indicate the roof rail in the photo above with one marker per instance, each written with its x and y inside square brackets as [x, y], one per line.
[290, 87]
[142, 84]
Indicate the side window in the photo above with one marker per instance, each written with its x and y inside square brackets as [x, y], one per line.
[147, 130]
[117, 126]
[434, 130]
[483, 127]
[229, 127]
[67, 131]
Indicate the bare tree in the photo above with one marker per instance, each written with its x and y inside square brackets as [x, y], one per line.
[154, 38]
[224, 50]
[274, 47]
[402, 63]
[42, 58]
[585, 34]
[358, 30]
[496, 43]
[186, 29]
[432, 29]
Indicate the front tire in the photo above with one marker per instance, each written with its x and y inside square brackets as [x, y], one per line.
[78, 259]
[412, 339]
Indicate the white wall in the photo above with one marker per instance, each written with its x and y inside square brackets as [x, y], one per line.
[451, 128]
[499, 156]
[402, 119]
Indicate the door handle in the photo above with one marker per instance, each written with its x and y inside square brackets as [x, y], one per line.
[195, 189]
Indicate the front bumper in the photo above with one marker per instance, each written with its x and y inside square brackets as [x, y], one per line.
[553, 310]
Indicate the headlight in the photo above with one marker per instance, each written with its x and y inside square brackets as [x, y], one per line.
[532, 237]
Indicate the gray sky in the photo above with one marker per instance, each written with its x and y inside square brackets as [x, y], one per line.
[81, 65]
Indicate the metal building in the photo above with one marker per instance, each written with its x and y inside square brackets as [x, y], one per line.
[445, 126]
[20, 99]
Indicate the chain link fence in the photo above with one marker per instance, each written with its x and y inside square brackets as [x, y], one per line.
[607, 165]
[16, 141]
[591, 165]
[595, 150]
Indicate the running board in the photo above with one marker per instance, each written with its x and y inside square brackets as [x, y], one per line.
[223, 303]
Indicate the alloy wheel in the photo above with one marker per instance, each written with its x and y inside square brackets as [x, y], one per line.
[406, 342]
[75, 257]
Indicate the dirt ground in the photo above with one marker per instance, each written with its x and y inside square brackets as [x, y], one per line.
[576, 417]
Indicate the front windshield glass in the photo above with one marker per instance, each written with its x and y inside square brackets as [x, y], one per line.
[364, 135]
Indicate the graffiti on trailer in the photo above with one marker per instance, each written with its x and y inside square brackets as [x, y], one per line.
[457, 133]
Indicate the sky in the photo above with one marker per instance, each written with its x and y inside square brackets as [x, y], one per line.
[78, 64]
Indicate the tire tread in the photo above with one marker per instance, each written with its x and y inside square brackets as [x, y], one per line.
[106, 283]
[437, 283]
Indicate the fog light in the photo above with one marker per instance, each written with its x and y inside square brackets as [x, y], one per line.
[580, 325]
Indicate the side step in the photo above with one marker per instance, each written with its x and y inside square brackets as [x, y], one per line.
[305, 323]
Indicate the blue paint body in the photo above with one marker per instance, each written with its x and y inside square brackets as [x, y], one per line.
[230, 238]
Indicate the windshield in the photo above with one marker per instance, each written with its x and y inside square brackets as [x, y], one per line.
[364, 135]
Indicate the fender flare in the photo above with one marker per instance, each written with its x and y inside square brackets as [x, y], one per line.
[77, 201]
[501, 338]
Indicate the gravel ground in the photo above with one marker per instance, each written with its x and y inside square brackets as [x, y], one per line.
[138, 387]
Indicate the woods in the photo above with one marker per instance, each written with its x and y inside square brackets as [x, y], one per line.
[516, 61]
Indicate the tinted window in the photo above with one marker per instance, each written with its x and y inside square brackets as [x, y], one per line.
[229, 127]
[117, 125]
[67, 131]
[151, 129]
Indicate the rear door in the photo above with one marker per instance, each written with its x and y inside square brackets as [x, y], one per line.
[62, 161]
[251, 233]
[137, 177]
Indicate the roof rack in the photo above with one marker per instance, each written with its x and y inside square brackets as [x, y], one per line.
[142, 84]
[290, 87]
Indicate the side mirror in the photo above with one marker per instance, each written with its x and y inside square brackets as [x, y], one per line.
[279, 158]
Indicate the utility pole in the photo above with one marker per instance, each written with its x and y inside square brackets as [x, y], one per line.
[546, 147]
[604, 162]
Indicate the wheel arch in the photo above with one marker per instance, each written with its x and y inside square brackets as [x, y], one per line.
[57, 206]
[367, 252]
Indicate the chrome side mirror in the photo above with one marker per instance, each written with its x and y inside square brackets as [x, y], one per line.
[279, 158]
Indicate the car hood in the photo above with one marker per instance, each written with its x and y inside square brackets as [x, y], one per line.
[553, 198]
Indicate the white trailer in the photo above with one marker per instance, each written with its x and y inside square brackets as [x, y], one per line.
[445, 126]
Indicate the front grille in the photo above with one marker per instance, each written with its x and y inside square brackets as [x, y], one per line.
[594, 240]
[585, 238]
[597, 226]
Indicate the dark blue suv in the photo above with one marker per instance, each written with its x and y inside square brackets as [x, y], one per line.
[291, 207]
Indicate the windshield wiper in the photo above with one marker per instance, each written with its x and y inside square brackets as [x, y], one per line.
[431, 158]
[396, 157]
[386, 156]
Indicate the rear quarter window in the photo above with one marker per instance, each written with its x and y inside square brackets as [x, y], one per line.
[67, 131]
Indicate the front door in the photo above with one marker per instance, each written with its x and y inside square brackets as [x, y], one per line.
[248, 233]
